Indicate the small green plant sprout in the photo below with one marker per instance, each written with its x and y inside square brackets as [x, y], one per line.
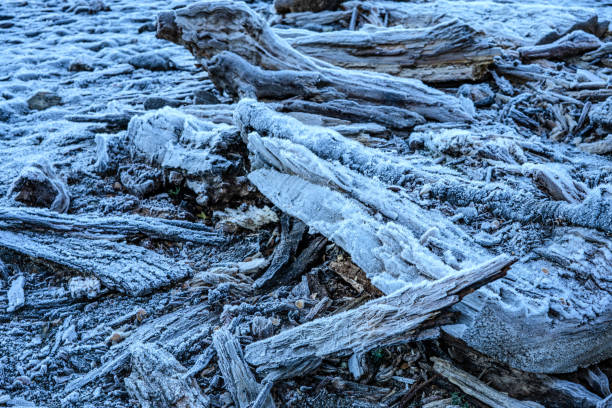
[174, 192]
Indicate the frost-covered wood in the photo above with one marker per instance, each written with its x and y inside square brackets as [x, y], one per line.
[328, 182]
[207, 154]
[247, 58]
[239, 380]
[575, 43]
[157, 380]
[126, 268]
[109, 227]
[181, 332]
[477, 389]
[66, 240]
[393, 319]
[451, 51]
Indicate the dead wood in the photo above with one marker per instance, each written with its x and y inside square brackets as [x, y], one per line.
[575, 43]
[477, 389]
[451, 51]
[392, 319]
[293, 6]
[247, 51]
[239, 380]
[157, 380]
[327, 181]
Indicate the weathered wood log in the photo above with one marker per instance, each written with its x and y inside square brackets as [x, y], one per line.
[385, 321]
[246, 53]
[126, 268]
[451, 51]
[575, 43]
[157, 380]
[547, 390]
[366, 201]
[89, 244]
[477, 389]
[108, 227]
[239, 380]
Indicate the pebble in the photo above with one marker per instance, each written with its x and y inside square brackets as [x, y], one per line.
[152, 61]
[42, 100]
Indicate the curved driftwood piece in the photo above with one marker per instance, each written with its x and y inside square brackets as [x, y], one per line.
[363, 199]
[246, 50]
[157, 380]
[393, 319]
[450, 51]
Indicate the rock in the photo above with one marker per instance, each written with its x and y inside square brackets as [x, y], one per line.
[80, 64]
[205, 97]
[480, 94]
[11, 109]
[16, 295]
[158, 102]
[88, 7]
[601, 114]
[42, 100]
[38, 185]
[209, 155]
[153, 61]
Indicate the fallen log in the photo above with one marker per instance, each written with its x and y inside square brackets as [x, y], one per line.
[247, 58]
[394, 319]
[367, 201]
[450, 51]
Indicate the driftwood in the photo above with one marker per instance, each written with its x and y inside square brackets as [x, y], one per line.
[182, 332]
[239, 380]
[477, 389]
[326, 181]
[575, 43]
[544, 389]
[393, 319]
[247, 58]
[451, 51]
[88, 245]
[157, 380]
